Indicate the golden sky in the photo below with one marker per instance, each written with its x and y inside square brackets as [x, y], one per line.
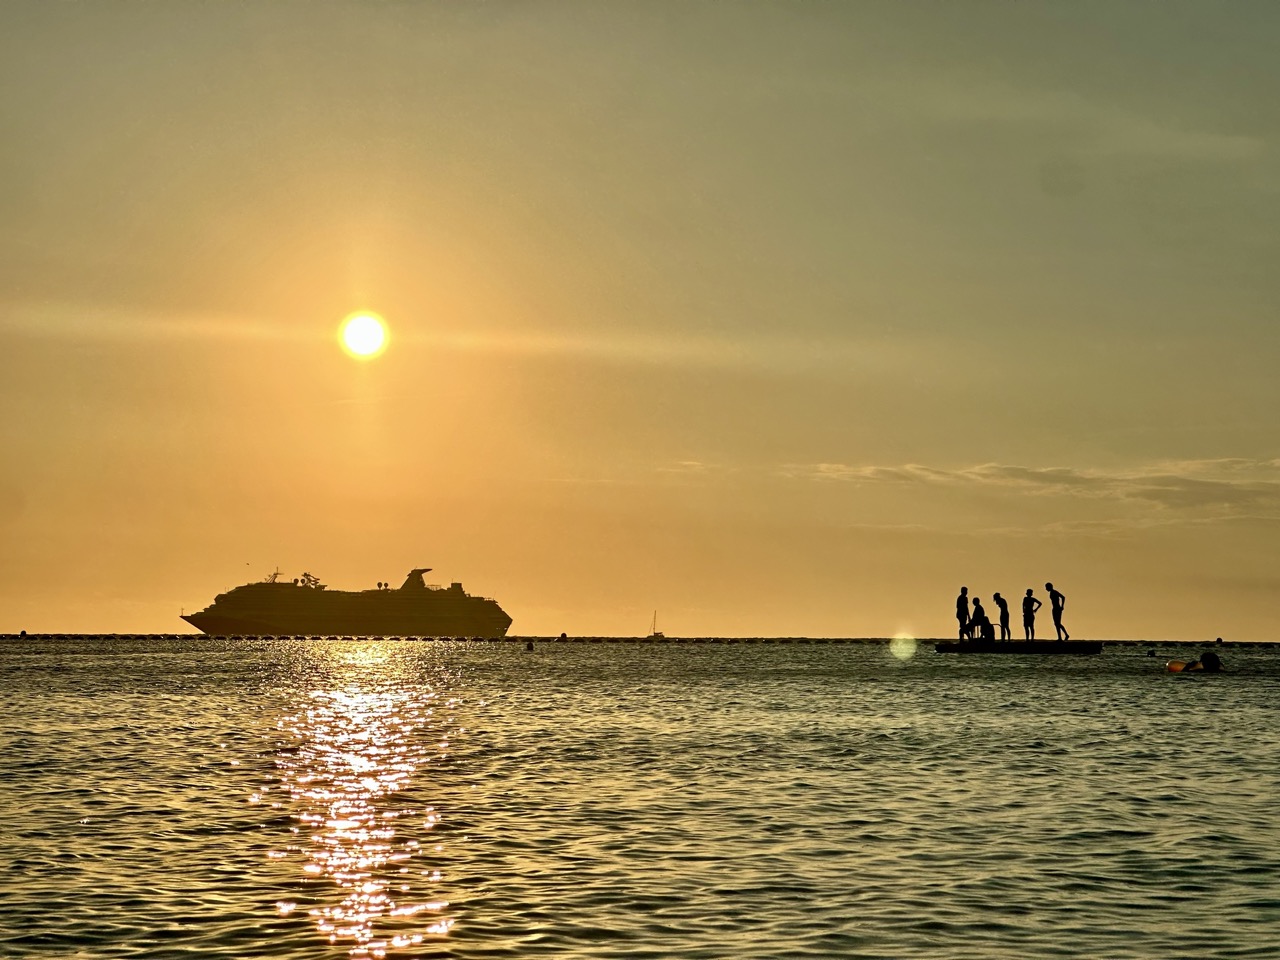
[778, 318]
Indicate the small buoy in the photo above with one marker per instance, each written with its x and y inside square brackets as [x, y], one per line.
[1175, 666]
[528, 645]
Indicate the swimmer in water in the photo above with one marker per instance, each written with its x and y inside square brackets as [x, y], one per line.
[1208, 663]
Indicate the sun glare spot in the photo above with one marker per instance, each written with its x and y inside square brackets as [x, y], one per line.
[903, 647]
[364, 335]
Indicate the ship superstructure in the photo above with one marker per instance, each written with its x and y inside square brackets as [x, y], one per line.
[305, 607]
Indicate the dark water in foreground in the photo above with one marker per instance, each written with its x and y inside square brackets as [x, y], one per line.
[316, 799]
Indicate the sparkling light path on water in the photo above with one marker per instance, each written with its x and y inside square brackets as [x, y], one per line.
[356, 749]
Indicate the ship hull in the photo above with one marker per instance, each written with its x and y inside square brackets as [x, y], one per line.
[287, 609]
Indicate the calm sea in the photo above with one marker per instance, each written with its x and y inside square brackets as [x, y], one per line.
[333, 799]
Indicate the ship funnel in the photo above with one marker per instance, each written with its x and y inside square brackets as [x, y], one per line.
[414, 580]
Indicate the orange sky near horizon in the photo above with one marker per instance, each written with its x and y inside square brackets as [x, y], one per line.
[780, 320]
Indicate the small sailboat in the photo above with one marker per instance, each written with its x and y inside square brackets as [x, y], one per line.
[654, 633]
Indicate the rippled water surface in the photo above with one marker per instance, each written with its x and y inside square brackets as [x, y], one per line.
[334, 799]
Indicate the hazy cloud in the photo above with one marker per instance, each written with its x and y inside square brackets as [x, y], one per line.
[82, 323]
[776, 353]
[693, 468]
[1098, 129]
[1227, 486]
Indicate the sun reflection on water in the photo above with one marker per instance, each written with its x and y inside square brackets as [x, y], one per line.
[356, 747]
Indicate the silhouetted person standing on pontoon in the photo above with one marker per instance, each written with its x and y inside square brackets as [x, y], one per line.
[962, 612]
[1057, 602]
[1029, 607]
[1003, 604]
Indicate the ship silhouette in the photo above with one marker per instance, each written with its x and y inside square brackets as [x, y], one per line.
[304, 607]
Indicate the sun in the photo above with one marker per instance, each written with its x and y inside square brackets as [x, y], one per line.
[364, 335]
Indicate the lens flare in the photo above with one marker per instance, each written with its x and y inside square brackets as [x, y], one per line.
[903, 646]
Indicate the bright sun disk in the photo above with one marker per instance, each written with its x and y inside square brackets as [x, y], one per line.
[364, 335]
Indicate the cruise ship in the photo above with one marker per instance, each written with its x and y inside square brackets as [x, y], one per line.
[305, 607]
